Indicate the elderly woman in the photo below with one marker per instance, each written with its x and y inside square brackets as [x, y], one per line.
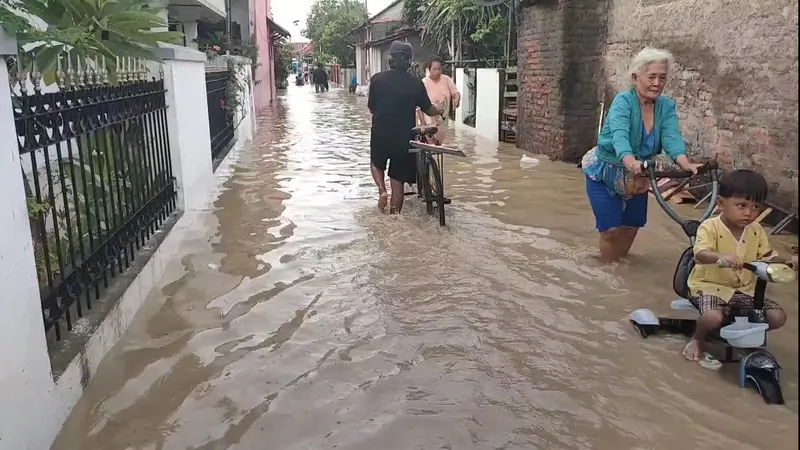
[443, 92]
[640, 124]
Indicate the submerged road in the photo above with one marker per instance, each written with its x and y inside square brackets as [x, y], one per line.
[299, 317]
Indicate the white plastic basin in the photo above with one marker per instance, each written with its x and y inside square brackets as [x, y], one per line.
[744, 334]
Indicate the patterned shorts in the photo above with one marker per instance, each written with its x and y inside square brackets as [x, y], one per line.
[740, 301]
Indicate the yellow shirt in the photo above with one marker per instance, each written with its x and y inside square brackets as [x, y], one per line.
[713, 235]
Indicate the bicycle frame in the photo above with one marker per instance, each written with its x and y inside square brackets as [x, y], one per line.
[430, 163]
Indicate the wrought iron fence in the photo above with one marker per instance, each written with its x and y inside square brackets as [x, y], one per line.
[98, 177]
[220, 112]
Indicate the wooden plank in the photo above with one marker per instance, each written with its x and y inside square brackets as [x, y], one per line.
[763, 215]
[510, 82]
[511, 69]
[510, 111]
[679, 189]
[703, 200]
[661, 183]
[509, 94]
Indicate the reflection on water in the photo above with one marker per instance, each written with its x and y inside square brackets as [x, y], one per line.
[301, 318]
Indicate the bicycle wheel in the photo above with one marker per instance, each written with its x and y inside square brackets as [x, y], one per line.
[420, 161]
[427, 188]
[435, 181]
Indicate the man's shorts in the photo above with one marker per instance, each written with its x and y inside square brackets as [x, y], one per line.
[402, 164]
[612, 211]
[741, 301]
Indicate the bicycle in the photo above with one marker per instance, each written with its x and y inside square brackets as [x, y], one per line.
[430, 176]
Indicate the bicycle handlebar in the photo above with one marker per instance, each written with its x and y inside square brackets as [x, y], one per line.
[709, 167]
[649, 167]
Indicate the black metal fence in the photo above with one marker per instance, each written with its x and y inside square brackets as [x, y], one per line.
[98, 177]
[220, 112]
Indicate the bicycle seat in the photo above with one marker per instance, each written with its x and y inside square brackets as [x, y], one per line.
[425, 130]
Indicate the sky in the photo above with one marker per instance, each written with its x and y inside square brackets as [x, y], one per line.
[285, 12]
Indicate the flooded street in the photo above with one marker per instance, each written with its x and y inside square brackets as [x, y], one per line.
[299, 317]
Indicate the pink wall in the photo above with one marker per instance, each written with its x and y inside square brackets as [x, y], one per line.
[265, 77]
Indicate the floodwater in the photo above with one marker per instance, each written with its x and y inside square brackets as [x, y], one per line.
[299, 317]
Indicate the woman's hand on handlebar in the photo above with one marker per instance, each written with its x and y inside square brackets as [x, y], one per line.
[683, 162]
[633, 166]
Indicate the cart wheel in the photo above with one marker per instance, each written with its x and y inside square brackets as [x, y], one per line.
[766, 383]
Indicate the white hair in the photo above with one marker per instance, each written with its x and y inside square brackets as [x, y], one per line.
[650, 55]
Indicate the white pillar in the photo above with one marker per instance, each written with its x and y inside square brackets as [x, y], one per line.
[487, 104]
[461, 85]
[26, 410]
[190, 33]
[187, 119]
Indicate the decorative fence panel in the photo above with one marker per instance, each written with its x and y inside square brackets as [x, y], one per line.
[220, 113]
[98, 177]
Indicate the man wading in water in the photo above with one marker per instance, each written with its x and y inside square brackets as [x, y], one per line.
[394, 96]
[320, 78]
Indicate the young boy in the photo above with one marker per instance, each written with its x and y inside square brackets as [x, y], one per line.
[732, 239]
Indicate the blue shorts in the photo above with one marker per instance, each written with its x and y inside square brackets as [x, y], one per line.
[611, 211]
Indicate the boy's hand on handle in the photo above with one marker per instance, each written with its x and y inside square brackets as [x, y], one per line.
[731, 261]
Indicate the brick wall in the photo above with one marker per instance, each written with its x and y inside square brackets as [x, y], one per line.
[735, 77]
[560, 56]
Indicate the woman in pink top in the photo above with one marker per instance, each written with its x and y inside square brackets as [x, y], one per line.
[443, 93]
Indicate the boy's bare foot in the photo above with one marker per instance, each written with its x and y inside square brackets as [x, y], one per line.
[692, 351]
[383, 200]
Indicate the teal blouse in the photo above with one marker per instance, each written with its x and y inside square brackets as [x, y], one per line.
[623, 134]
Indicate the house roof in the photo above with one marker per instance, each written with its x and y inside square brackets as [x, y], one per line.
[276, 31]
[391, 5]
[391, 37]
[303, 48]
[375, 17]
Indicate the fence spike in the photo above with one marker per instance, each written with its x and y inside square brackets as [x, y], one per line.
[91, 71]
[124, 73]
[59, 74]
[79, 72]
[105, 71]
[22, 79]
[141, 64]
[36, 78]
[70, 71]
[145, 70]
[125, 69]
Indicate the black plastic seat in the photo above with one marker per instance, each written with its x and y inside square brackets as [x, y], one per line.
[680, 280]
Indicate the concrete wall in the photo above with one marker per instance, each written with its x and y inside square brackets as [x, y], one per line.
[360, 66]
[735, 77]
[265, 78]
[487, 104]
[464, 79]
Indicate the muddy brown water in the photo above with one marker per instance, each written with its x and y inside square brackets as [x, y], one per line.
[298, 317]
